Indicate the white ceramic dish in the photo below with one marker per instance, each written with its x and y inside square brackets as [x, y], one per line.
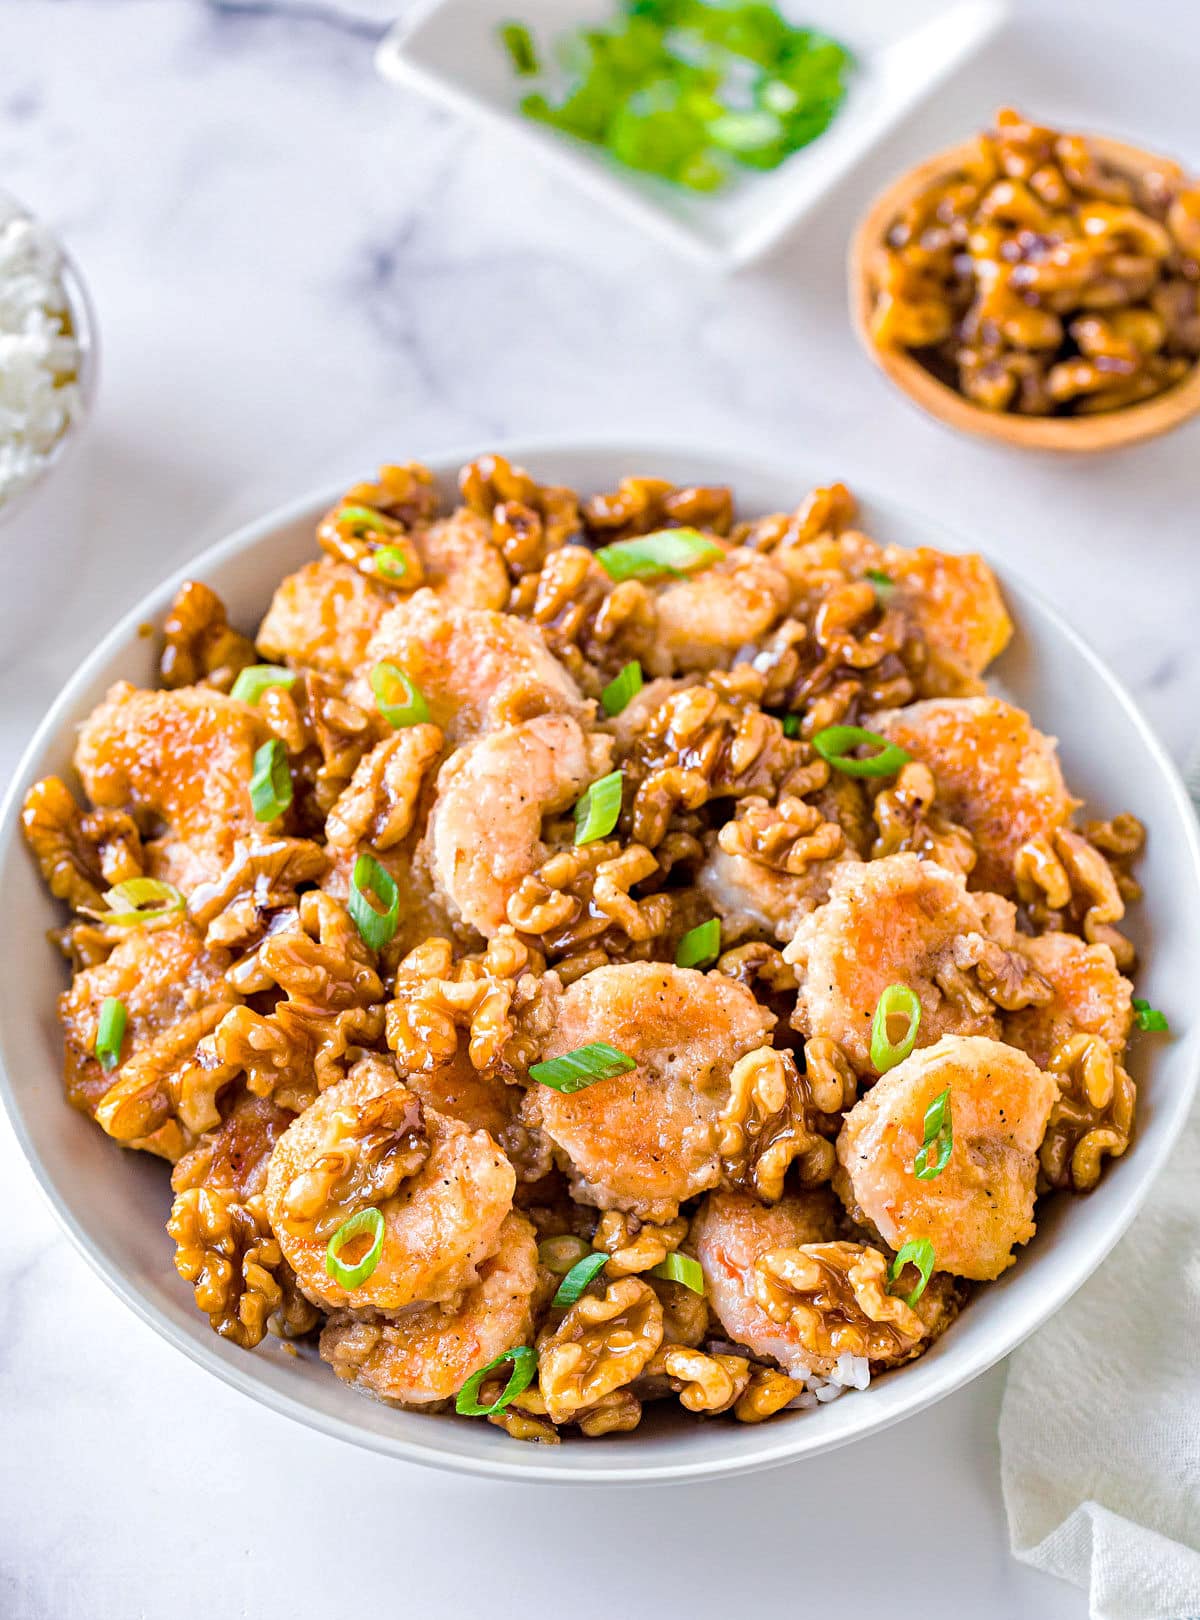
[448, 49]
[114, 1204]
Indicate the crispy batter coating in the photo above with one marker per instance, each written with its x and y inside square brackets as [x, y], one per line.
[323, 617]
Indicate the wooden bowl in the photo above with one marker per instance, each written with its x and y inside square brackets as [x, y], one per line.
[1106, 431]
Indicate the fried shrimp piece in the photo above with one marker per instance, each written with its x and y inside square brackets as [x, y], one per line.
[184, 758]
[323, 617]
[475, 669]
[955, 601]
[981, 1205]
[462, 563]
[443, 1191]
[703, 620]
[645, 1141]
[897, 920]
[174, 992]
[484, 832]
[770, 866]
[996, 776]
[730, 1233]
[1090, 996]
[428, 1352]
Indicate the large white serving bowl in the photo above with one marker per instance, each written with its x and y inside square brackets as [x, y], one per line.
[114, 1203]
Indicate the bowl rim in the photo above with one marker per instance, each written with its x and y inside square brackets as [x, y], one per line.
[971, 1362]
[1077, 435]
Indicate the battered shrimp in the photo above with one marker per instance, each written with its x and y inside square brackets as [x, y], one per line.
[427, 1353]
[443, 1191]
[461, 562]
[956, 601]
[751, 898]
[1090, 996]
[322, 617]
[731, 1231]
[898, 920]
[646, 1140]
[476, 670]
[996, 776]
[981, 1205]
[704, 619]
[484, 832]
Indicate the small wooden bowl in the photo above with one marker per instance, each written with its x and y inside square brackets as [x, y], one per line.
[1107, 431]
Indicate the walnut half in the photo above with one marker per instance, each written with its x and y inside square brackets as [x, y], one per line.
[601, 1344]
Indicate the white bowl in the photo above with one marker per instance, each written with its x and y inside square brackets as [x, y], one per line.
[114, 1204]
[448, 49]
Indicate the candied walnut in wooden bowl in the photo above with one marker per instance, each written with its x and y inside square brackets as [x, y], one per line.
[1036, 287]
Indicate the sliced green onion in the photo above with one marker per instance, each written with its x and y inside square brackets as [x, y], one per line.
[559, 1254]
[582, 1067]
[259, 678]
[700, 946]
[680, 1268]
[1149, 1017]
[271, 782]
[522, 53]
[920, 1253]
[939, 1134]
[835, 742]
[599, 810]
[670, 551]
[389, 562]
[577, 1279]
[885, 585]
[399, 699]
[110, 1033]
[367, 1220]
[370, 878]
[132, 901]
[897, 1001]
[791, 725]
[625, 686]
[363, 518]
[524, 1365]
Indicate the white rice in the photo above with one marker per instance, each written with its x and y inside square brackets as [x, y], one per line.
[39, 356]
[849, 1372]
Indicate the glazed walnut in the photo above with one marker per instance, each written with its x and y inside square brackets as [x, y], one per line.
[633, 1245]
[907, 819]
[436, 997]
[227, 1252]
[369, 1148]
[530, 521]
[80, 854]
[776, 1115]
[262, 880]
[198, 643]
[579, 901]
[1092, 1119]
[704, 1383]
[602, 1344]
[834, 1296]
[1067, 881]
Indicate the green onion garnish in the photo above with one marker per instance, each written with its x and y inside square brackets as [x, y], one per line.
[878, 577]
[271, 782]
[389, 562]
[939, 1133]
[524, 1365]
[791, 725]
[522, 53]
[370, 878]
[577, 1279]
[700, 946]
[835, 742]
[897, 1001]
[559, 1254]
[1149, 1017]
[132, 901]
[367, 1220]
[625, 686]
[582, 1067]
[671, 551]
[920, 1253]
[110, 1033]
[363, 519]
[259, 678]
[680, 1268]
[399, 699]
[598, 811]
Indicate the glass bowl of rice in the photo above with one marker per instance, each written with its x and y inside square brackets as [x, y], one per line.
[48, 362]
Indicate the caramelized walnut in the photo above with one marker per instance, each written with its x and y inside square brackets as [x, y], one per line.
[227, 1252]
[633, 1245]
[80, 855]
[640, 505]
[580, 901]
[530, 521]
[775, 1115]
[369, 1148]
[907, 820]
[704, 1383]
[260, 881]
[601, 1345]
[198, 643]
[1092, 1118]
[785, 837]
[768, 1392]
[834, 1297]
[436, 997]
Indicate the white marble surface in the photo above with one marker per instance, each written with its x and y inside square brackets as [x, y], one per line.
[298, 273]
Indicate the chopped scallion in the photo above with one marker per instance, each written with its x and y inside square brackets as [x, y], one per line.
[577, 1279]
[398, 698]
[271, 782]
[897, 1001]
[700, 946]
[835, 742]
[582, 1067]
[1149, 1017]
[363, 520]
[920, 1254]
[622, 688]
[350, 1276]
[559, 1254]
[680, 1268]
[140, 900]
[939, 1134]
[524, 1365]
[522, 53]
[370, 878]
[673, 552]
[389, 562]
[791, 725]
[110, 1033]
[259, 678]
[599, 810]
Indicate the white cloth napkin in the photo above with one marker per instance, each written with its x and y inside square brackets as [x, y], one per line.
[1100, 1427]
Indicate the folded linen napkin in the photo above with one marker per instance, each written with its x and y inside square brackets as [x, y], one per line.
[1100, 1426]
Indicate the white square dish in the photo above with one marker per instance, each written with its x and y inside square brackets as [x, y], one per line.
[450, 51]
